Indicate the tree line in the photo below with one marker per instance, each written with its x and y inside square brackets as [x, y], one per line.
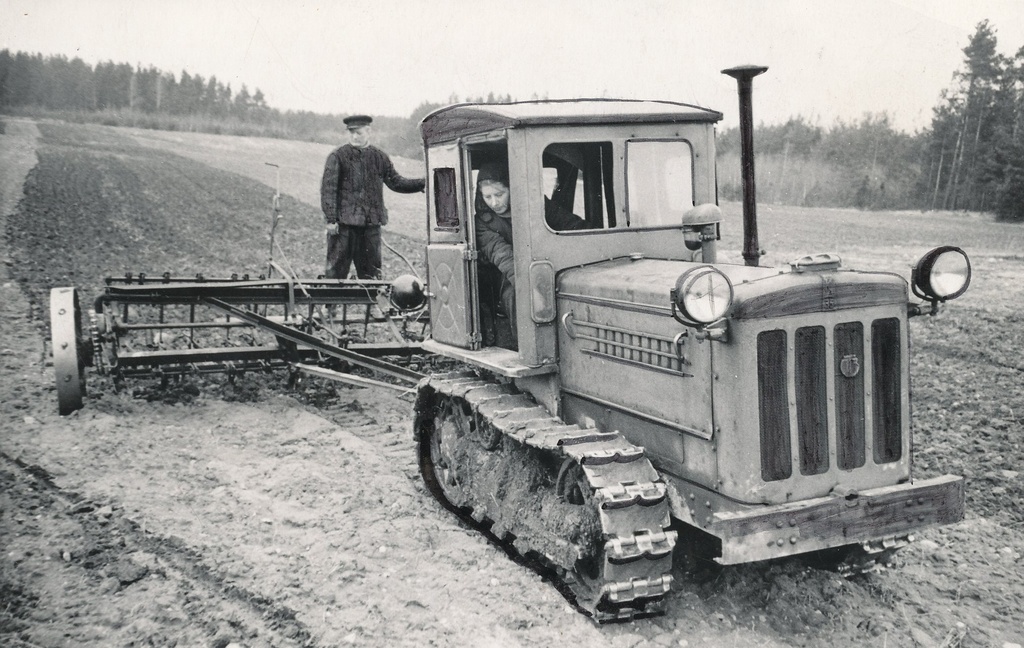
[119, 94]
[971, 157]
[974, 158]
[866, 164]
[57, 83]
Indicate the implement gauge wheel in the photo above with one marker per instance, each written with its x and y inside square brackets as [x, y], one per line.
[68, 358]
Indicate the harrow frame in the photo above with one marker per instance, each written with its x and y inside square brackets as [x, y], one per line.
[168, 327]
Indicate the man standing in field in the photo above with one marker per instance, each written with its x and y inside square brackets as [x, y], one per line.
[352, 199]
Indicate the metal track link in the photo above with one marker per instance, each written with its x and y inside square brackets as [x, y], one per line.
[627, 571]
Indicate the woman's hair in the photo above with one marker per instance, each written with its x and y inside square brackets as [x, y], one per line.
[492, 172]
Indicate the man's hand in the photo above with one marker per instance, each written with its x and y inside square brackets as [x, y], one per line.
[332, 228]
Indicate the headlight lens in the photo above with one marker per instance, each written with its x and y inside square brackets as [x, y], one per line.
[943, 273]
[703, 294]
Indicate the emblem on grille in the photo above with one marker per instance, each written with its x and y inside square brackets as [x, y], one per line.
[849, 365]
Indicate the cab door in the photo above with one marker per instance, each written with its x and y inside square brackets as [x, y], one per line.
[452, 312]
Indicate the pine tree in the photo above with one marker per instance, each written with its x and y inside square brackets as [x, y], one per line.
[965, 128]
[242, 101]
[6, 66]
[1008, 170]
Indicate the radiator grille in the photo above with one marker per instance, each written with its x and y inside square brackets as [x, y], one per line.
[630, 347]
[773, 402]
[849, 348]
[885, 354]
[811, 398]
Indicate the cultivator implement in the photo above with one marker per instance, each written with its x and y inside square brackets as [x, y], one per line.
[169, 327]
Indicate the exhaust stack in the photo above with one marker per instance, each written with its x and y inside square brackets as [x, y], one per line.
[744, 75]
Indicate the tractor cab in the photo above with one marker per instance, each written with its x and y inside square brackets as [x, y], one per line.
[588, 181]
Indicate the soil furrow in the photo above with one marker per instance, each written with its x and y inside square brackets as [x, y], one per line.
[114, 557]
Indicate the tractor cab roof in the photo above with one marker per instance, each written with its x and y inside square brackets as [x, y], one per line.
[459, 120]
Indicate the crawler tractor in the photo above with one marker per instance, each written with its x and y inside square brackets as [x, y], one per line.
[653, 398]
[643, 400]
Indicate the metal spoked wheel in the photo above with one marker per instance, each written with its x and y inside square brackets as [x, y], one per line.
[68, 350]
[438, 462]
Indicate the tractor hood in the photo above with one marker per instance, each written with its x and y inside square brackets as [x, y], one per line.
[644, 285]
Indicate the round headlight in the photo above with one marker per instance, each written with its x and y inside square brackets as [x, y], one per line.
[941, 274]
[407, 293]
[703, 294]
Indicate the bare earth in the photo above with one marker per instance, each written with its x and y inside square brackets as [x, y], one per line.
[252, 515]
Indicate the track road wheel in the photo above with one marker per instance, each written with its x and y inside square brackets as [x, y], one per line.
[438, 460]
[68, 356]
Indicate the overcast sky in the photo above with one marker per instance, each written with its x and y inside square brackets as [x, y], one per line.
[828, 60]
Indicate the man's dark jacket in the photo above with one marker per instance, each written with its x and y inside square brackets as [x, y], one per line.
[352, 192]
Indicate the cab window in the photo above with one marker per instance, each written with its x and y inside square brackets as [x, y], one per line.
[446, 207]
[659, 182]
[578, 181]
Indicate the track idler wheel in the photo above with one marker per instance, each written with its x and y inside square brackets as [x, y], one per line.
[438, 461]
[68, 349]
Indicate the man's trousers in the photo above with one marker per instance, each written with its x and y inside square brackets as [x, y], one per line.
[354, 244]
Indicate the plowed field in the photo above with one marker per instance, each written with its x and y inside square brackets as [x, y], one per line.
[248, 514]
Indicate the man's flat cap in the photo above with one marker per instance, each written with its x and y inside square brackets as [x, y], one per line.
[357, 121]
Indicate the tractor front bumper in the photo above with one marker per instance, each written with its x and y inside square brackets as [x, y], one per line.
[877, 516]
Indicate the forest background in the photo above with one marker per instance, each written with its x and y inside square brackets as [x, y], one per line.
[971, 157]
